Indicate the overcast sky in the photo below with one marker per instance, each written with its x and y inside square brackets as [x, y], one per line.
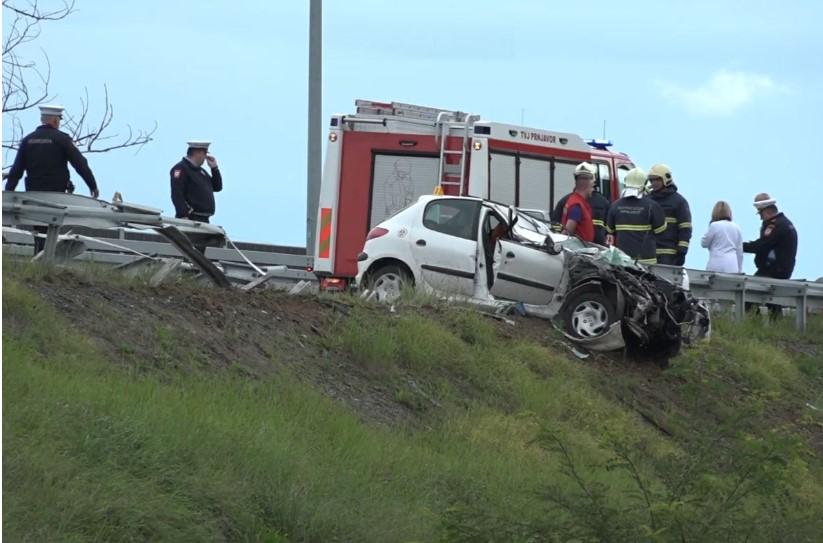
[727, 93]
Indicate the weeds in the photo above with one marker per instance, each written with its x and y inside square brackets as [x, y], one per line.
[511, 441]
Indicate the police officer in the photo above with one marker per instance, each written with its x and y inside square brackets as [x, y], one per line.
[192, 189]
[599, 206]
[634, 221]
[44, 155]
[673, 243]
[776, 249]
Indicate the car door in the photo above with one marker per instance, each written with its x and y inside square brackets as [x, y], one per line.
[444, 243]
[525, 273]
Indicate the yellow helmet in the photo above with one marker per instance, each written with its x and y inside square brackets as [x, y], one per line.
[635, 179]
[662, 171]
[584, 168]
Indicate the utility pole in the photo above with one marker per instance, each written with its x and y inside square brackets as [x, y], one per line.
[314, 151]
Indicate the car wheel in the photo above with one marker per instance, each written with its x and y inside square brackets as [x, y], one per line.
[588, 313]
[388, 283]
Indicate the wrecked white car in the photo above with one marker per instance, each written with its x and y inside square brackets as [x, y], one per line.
[486, 252]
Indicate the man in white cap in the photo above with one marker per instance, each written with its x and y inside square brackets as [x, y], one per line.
[192, 188]
[598, 202]
[45, 154]
[776, 249]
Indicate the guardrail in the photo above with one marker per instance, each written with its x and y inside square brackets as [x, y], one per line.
[741, 289]
[118, 247]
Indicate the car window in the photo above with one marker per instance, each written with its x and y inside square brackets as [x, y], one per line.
[530, 230]
[622, 172]
[604, 180]
[534, 213]
[495, 224]
[453, 217]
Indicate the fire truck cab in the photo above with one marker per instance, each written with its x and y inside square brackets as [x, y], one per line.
[387, 155]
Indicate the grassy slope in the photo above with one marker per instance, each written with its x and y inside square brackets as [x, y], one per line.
[515, 441]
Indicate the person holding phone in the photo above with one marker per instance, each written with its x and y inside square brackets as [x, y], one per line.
[192, 188]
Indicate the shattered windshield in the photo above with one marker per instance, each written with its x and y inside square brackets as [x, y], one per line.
[611, 255]
[530, 229]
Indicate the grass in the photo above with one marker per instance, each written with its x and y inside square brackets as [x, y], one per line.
[514, 441]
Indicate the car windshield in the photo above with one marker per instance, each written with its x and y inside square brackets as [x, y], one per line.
[531, 229]
[534, 214]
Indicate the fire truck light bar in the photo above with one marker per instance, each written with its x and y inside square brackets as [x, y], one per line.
[603, 145]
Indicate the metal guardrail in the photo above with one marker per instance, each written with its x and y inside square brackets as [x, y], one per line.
[121, 233]
[102, 252]
[741, 289]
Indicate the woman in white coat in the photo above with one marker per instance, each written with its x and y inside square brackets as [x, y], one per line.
[724, 241]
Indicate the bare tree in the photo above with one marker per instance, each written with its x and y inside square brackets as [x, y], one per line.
[26, 84]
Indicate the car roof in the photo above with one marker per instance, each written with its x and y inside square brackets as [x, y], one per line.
[430, 197]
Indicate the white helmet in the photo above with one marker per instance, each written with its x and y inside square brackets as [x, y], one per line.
[635, 183]
[584, 168]
[662, 171]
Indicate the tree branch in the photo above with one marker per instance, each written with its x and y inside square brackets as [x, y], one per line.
[19, 96]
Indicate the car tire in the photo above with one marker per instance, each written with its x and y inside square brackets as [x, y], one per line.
[388, 282]
[588, 313]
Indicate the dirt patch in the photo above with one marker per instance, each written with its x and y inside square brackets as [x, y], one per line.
[255, 334]
[261, 333]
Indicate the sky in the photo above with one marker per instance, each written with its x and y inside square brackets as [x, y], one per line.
[727, 93]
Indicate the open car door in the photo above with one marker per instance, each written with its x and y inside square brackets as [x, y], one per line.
[522, 270]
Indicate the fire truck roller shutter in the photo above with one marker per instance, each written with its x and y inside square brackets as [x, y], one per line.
[398, 181]
[535, 180]
[502, 177]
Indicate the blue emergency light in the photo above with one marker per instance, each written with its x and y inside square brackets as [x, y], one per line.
[603, 145]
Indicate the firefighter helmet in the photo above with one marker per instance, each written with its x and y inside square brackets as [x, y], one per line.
[584, 168]
[662, 171]
[635, 179]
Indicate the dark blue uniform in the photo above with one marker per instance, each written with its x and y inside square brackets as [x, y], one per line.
[776, 249]
[44, 155]
[634, 222]
[673, 243]
[192, 190]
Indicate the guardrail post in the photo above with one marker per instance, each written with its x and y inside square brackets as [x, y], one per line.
[740, 304]
[801, 311]
[50, 246]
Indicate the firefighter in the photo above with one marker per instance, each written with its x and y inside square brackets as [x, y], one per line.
[44, 155]
[634, 221]
[598, 203]
[673, 243]
[776, 249]
[577, 212]
[192, 188]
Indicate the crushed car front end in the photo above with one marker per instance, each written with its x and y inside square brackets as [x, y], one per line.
[607, 301]
[654, 314]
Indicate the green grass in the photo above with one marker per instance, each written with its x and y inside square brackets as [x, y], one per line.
[513, 441]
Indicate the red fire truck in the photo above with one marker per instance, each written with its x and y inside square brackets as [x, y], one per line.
[387, 155]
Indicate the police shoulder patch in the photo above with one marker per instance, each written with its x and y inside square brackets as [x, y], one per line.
[176, 174]
[768, 230]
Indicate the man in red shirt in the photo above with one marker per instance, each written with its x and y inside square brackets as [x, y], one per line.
[577, 213]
